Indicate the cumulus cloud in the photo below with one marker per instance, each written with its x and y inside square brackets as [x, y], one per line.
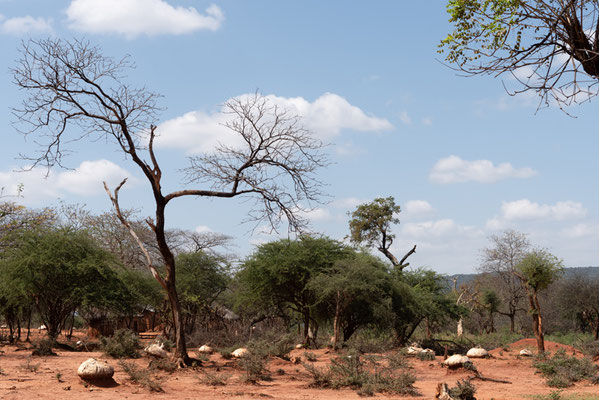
[85, 180]
[133, 18]
[327, 116]
[453, 169]
[525, 209]
[18, 26]
[417, 208]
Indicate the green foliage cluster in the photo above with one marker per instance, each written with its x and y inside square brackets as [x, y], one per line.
[561, 371]
[363, 373]
[123, 344]
[463, 390]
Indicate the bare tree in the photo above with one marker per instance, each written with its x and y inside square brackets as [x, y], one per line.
[550, 47]
[74, 84]
[500, 259]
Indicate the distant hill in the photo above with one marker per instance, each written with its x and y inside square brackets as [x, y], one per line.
[590, 272]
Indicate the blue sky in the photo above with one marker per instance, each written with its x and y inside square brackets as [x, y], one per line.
[462, 158]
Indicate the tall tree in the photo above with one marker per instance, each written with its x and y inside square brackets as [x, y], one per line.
[500, 259]
[371, 223]
[74, 84]
[277, 275]
[537, 271]
[550, 46]
[60, 270]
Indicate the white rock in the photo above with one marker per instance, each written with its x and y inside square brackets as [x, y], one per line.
[414, 350]
[241, 352]
[205, 349]
[156, 350]
[94, 369]
[477, 352]
[427, 351]
[42, 328]
[299, 346]
[526, 353]
[455, 361]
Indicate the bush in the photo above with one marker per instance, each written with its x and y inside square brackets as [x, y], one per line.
[310, 356]
[166, 343]
[254, 366]
[364, 374]
[371, 342]
[397, 360]
[562, 371]
[140, 376]
[464, 390]
[426, 356]
[590, 348]
[43, 348]
[123, 344]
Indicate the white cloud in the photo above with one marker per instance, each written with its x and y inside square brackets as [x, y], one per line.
[453, 169]
[417, 208]
[427, 121]
[133, 18]
[202, 229]
[404, 117]
[327, 116]
[525, 209]
[24, 25]
[85, 180]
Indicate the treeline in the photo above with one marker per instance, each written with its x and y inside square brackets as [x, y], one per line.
[65, 266]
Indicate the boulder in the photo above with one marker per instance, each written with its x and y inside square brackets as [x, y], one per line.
[241, 352]
[156, 350]
[93, 369]
[205, 349]
[299, 346]
[427, 351]
[477, 352]
[525, 353]
[456, 361]
[413, 351]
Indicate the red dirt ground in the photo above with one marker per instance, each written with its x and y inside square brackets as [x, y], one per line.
[19, 383]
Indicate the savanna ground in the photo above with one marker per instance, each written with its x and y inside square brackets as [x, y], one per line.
[55, 377]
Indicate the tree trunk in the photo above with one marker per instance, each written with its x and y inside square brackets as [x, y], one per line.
[512, 322]
[460, 330]
[336, 327]
[597, 329]
[181, 356]
[537, 321]
[27, 339]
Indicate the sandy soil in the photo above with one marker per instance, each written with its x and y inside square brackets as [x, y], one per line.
[19, 383]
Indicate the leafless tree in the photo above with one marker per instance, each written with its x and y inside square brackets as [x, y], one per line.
[500, 259]
[71, 83]
[550, 47]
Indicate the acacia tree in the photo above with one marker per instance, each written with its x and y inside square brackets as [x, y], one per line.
[72, 84]
[370, 224]
[537, 271]
[550, 46]
[500, 260]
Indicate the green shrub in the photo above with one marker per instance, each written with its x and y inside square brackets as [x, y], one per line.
[590, 348]
[123, 344]
[310, 356]
[464, 390]
[397, 360]
[166, 343]
[43, 348]
[365, 374]
[426, 356]
[562, 371]
[254, 367]
[140, 376]
[371, 342]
